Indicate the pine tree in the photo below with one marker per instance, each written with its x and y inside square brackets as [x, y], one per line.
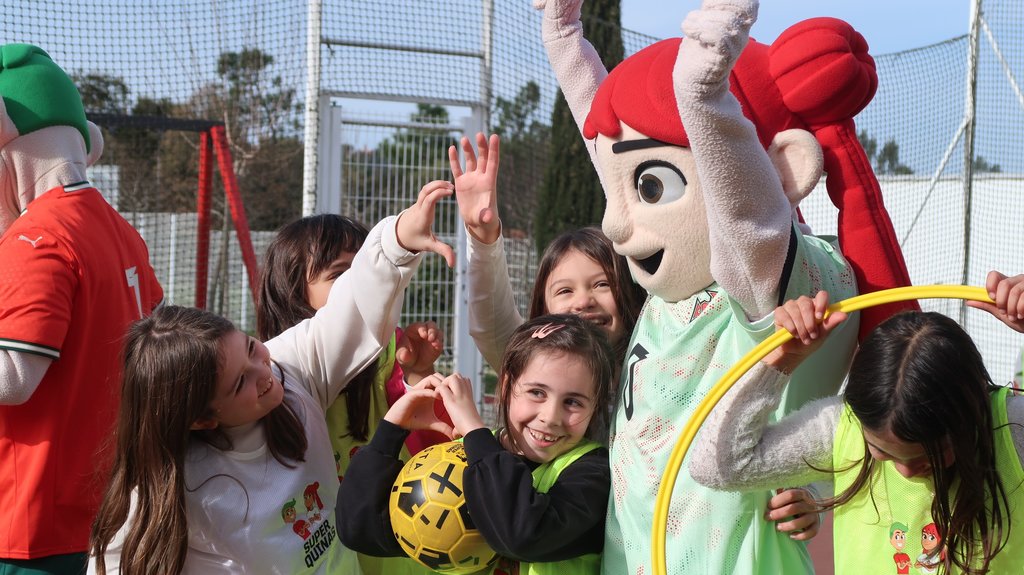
[571, 196]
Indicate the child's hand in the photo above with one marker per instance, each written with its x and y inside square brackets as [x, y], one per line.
[476, 189]
[1008, 293]
[413, 228]
[794, 512]
[420, 346]
[802, 317]
[457, 393]
[415, 409]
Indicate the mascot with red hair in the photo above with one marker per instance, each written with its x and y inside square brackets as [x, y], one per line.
[705, 146]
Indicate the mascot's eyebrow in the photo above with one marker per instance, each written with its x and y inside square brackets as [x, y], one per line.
[630, 145]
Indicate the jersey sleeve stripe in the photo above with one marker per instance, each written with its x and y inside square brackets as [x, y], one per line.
[34, 348]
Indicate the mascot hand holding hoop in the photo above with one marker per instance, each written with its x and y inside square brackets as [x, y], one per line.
[705, 146]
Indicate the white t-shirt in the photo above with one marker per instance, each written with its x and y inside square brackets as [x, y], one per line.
[247, 512]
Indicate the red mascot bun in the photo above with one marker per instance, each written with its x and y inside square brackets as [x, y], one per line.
[823, 71]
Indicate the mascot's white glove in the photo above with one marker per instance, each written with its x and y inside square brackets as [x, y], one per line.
[721, 29]
[564, 12]
[576, 64]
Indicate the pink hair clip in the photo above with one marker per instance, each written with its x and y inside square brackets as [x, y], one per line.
[547, 329]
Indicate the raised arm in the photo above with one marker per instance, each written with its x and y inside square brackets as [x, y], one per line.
[576, 64]
[493, 315]
[749, 216]
[364, 304]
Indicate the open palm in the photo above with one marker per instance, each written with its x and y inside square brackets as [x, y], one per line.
[476, 187]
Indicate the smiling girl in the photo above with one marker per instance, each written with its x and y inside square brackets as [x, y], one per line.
[220, 435]
[537, 488]
[579, 272]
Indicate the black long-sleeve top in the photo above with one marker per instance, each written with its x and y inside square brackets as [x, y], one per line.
[516, 520]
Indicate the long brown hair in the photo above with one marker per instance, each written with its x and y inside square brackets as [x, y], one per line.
[579, 338]
[591, 242]
[170, 366]
[920, 376]
[300, 252]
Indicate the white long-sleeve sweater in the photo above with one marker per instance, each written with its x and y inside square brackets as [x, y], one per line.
[237, 501]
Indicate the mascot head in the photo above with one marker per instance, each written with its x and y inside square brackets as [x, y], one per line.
[815, 77]
[45, 139]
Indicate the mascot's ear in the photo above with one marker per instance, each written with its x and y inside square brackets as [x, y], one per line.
[797, 157]
[95, 144]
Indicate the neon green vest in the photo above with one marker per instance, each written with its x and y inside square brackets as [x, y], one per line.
[543, 478]
[865, 535]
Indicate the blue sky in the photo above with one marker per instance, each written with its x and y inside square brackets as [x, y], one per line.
[888, 25]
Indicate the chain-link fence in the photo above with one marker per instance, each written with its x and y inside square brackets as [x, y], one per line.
[432, 64]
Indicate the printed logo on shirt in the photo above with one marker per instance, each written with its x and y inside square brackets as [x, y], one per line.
[640, 354]
[701, 304]
[25, 238]
[932, 551]
[314, 527]
[898, 540]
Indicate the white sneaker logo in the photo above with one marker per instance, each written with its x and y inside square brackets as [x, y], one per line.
[25, 238]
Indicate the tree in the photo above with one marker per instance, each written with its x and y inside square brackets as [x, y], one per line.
[980, 164]
[158, 169]
[260, 116]
[136, 151]
[102, 93]
[572, 196]
[886, 161]
[869, 144]
[524, 145]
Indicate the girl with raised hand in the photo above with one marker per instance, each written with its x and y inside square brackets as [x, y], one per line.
[925, 452]
[579, 273]
[301, 265]
[223, 460]
[537, 487]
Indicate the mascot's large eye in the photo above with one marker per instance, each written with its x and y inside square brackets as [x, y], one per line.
[659, 182]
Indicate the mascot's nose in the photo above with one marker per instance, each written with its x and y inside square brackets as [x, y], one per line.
[616, 224]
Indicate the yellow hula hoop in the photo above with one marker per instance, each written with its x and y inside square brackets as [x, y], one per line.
[675, 461]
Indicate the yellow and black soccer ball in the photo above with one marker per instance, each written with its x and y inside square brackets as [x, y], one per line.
[430, 516]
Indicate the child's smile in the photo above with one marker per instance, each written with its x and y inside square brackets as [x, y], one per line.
[551, 407]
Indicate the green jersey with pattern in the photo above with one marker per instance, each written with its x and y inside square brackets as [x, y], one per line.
[678, 351]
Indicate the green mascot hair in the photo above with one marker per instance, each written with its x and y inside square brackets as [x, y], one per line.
[37, 92]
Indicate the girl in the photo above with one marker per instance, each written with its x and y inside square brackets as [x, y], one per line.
[553, 391]
[219, 436]
[302, 263]
[579, 273]
[300, 266]
[920, 436]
